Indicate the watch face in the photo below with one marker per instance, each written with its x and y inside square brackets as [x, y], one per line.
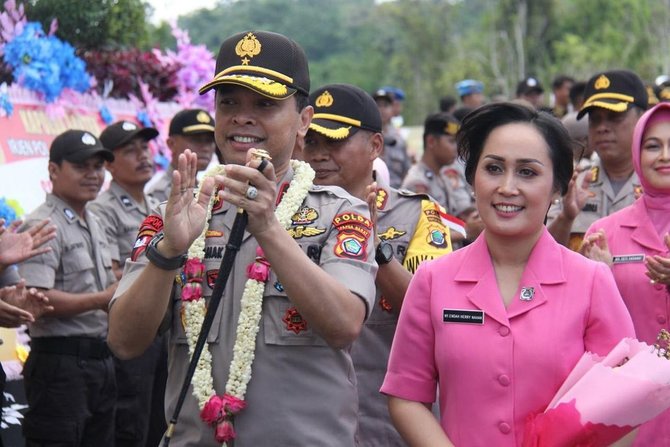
[384, 253]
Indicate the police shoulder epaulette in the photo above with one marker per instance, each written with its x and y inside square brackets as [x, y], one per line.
[334, 191]
[414, 194]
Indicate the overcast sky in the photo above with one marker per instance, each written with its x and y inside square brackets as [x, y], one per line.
[171, 9]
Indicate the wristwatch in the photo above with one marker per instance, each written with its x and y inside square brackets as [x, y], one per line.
[384, 253]
[160, 261]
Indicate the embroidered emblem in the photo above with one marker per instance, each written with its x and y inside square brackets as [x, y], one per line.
[391, 233]
[150, 225]
[278, 287]
[381, 198]
[601, 83]
[69, 214]
[433, 215]
[451, 128]
[595, 174]
[202, 117]
[354, 232]
[247, 48]
[126, 201]
[304, 216]
[325, 99]
[88, 139]
[294, 321]
[385, 305]
[213, 233]
[211, 277]
[302, 231]
[527, 293]
[128, 126]
[437, 238]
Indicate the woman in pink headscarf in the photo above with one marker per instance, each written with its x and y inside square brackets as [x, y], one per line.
[635, 242]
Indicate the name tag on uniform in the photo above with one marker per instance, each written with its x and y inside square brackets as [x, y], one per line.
[627, 259]
[462, 316]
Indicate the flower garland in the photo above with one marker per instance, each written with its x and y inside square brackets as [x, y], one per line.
[218, 411]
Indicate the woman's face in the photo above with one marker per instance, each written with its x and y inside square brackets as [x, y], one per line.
[514, 181]
[655, 155]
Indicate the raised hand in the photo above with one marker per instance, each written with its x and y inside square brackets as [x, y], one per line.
[17, 247]
[594, 246]
[185, 216]
[577, 194]
[371, 200]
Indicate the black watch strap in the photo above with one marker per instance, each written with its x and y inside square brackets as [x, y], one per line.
[160, 261]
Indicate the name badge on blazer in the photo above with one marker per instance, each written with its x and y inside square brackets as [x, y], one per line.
[463, 316]
[627, 259]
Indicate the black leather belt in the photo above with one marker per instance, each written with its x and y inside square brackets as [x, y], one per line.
[82, 347]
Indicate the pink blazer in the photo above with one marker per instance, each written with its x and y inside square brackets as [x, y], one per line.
[493, 373]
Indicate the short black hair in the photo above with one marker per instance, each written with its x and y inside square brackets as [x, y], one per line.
[462, 112]
[478, 125]
[577, 90]
[560, 80]
[447, 103]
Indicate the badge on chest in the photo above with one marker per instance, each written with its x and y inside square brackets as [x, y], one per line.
[463, 316]
[628, 259]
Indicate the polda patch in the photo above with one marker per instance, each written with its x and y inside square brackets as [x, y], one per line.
[353, 233]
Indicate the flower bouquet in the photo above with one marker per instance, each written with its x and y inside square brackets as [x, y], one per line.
[605, 398]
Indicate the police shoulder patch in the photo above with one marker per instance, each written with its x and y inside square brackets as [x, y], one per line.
[353, 233]
[151, 225]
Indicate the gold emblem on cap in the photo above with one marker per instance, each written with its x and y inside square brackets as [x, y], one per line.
[602, 82]
[202, 117]
[248, 47]
[325, 99]
[451, 128]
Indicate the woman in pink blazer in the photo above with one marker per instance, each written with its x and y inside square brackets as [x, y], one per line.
[498, 325]
[635, 243]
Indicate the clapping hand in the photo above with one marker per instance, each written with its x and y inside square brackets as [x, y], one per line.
[20, 305]
[658, 266]
[17, 247]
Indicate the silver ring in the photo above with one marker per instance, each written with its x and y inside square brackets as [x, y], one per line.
[252, 192]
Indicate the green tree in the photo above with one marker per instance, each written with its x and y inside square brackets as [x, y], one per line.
[89, 24]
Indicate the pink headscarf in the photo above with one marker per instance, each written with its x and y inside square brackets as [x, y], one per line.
[657, 201]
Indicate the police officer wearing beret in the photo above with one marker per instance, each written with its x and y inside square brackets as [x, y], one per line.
[317, 267]
[121, 209]
[192, 129]
[615, 100]
[343, 140]
[69, 374]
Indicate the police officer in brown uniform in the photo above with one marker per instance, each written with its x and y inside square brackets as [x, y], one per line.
[439, 150]
[192, 129]
[343, 140]
[395, 147]
[69, 374]
[301, 386]
[614, 101]
[121, 209]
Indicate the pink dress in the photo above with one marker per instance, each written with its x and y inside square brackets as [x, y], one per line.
[496, 365]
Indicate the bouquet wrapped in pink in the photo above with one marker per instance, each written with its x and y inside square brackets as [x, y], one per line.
[604, 398]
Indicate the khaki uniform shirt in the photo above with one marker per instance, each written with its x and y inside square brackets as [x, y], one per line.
[395, 156]
[160, 190]
[79, 262]
[601, 202]
[302, 392]
[121, 217]
[410, 223]
[438, 189]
